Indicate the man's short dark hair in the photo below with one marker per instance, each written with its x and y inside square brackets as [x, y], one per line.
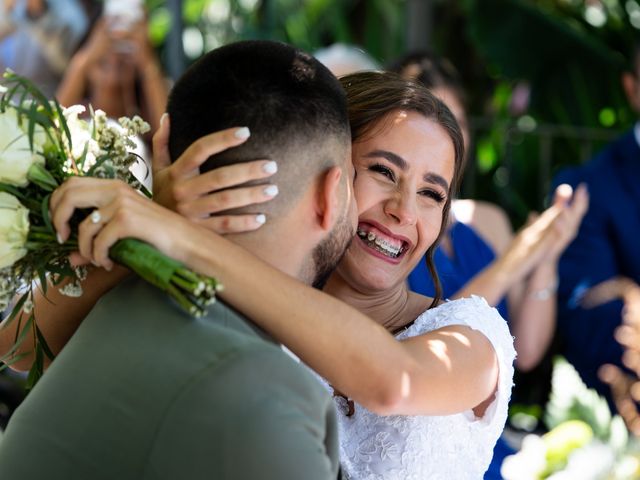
[293, 105]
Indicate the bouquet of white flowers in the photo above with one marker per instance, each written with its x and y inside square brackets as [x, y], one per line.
[41, 145]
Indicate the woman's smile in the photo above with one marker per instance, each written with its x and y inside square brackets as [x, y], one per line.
[381, 242]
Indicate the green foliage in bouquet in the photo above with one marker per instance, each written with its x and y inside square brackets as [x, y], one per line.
[43, 144]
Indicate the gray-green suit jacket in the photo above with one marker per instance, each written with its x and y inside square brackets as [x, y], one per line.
[144, 392]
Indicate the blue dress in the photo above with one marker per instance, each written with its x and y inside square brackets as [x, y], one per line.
[472, 255]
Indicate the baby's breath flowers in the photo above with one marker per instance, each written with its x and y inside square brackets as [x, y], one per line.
[41, 145]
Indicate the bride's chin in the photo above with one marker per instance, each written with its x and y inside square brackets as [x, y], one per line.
[364, 279]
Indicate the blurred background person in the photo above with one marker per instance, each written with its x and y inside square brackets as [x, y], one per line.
[38, 37]
[343, 59]
[605, 248]
[117, 69]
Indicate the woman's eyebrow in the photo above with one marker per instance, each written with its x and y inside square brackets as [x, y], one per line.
[402, 164]
[397, 160]
[437, 179]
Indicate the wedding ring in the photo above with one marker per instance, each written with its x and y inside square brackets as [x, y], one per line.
[95, 216]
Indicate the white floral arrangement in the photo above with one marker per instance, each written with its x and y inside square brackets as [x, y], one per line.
[585, 442]
[41, 145]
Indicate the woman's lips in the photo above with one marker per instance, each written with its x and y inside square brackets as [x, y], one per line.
[380, 242]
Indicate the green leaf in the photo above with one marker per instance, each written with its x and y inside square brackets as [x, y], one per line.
[16, 310]
[18, 341]
[42, 277]
[46, 217]
[35, 373]
[5, 364]
[4, 187]
[43, 342]
[32, 125]
[63, 123]
[39, 175]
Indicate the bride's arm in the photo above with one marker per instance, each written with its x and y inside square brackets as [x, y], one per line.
[442, 372]
[59, 316]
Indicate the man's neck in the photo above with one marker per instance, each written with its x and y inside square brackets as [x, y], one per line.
[391, 308]
[280, 247]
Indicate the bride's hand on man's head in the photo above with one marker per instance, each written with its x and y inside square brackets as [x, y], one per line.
[179, 186]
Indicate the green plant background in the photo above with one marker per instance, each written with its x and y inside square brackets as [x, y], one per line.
[568, 53]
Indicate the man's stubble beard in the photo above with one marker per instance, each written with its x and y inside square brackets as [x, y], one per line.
[328, 254]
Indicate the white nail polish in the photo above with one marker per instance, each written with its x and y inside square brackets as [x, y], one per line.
[261, 218]
[271, 191]
[270, 167]
[59, 238]
[242, 132]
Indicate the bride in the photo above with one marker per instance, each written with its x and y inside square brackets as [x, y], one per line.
[429, 403]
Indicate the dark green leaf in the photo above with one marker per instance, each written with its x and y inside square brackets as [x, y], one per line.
[35, 373]
[43, 342]
[46, 217]
[19, 339]
[16, 310]
[63, 123]
[42, 276]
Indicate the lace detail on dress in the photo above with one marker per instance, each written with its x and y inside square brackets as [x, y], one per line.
[458, 446]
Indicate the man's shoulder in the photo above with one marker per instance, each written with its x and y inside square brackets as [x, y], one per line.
[599, 167]
[614, 153]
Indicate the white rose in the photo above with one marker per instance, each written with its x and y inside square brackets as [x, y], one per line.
[14, 228]
[15, 154]
[81, 136]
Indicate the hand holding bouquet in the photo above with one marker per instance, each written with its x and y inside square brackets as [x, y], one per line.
[41, 146]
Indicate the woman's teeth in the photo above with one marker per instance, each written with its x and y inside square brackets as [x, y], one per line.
[380, 244]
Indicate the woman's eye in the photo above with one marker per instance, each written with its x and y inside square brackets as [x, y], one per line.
[386, 171]
[434, 195]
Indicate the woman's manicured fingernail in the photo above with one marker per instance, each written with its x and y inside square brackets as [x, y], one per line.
[59, 238]
[271, 191]
[242, 132]
[163, 118]
[261, 218]
[270, 167]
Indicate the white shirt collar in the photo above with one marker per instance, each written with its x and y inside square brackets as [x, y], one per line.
[636, 131]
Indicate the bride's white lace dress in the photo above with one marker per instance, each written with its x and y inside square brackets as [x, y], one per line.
[453, 447]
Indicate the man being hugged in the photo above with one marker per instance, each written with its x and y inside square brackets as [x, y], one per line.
[142, 391]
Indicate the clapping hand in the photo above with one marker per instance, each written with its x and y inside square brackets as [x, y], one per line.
[625, 388]
[545, 236]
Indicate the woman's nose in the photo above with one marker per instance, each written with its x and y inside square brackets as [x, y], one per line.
[402, 208]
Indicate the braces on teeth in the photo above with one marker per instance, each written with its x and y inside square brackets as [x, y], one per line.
[381, 245]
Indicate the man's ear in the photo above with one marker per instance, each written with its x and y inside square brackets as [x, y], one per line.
[631, 89]
[328, 198]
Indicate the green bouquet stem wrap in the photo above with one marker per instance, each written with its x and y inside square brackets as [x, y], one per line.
[192, 291]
